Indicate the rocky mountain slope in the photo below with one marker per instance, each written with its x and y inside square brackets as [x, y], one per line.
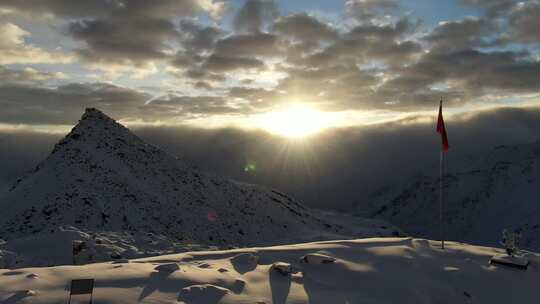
[104, 182]
[483, 195]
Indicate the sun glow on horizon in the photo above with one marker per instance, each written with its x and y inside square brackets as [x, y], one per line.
[296, 121]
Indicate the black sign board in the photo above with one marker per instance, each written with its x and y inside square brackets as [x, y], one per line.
[81, 287]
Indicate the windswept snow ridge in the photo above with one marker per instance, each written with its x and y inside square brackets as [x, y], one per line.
[379, 270]
[109, 189]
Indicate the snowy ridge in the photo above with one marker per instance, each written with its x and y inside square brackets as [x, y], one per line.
[377, 270]
[103, 179]
[484, 195]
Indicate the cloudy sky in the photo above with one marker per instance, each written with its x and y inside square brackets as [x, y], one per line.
[215, 63]
[291, 68]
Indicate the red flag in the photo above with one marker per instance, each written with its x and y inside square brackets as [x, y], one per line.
[441, 129]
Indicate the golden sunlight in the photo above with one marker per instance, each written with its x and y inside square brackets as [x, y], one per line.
[296, 121]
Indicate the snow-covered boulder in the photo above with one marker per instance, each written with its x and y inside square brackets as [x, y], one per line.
[169, 267]
[121, 261]
[8, 259]
[203, 293]
[283, 268]
[317, 258]
[248, 259]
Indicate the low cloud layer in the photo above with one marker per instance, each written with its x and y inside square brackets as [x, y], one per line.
[338, 170]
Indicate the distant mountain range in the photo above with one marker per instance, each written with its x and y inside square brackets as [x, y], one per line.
[103, 182]
[483, 195]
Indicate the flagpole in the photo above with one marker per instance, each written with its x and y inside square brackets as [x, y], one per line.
[441, 198]
[441, 129]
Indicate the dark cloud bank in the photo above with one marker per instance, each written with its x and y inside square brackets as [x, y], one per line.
[337, 171]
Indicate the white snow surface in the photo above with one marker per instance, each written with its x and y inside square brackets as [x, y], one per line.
[484, 194]
[377, 270]
[126, 199]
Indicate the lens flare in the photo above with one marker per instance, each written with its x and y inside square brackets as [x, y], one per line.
[250, 168]
[212, 216]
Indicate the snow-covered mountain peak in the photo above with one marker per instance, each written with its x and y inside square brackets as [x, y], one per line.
[101, 178]
[97, 125]
[97, 130]
[95, 114]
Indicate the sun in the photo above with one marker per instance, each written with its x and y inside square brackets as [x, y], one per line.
[295, 121]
